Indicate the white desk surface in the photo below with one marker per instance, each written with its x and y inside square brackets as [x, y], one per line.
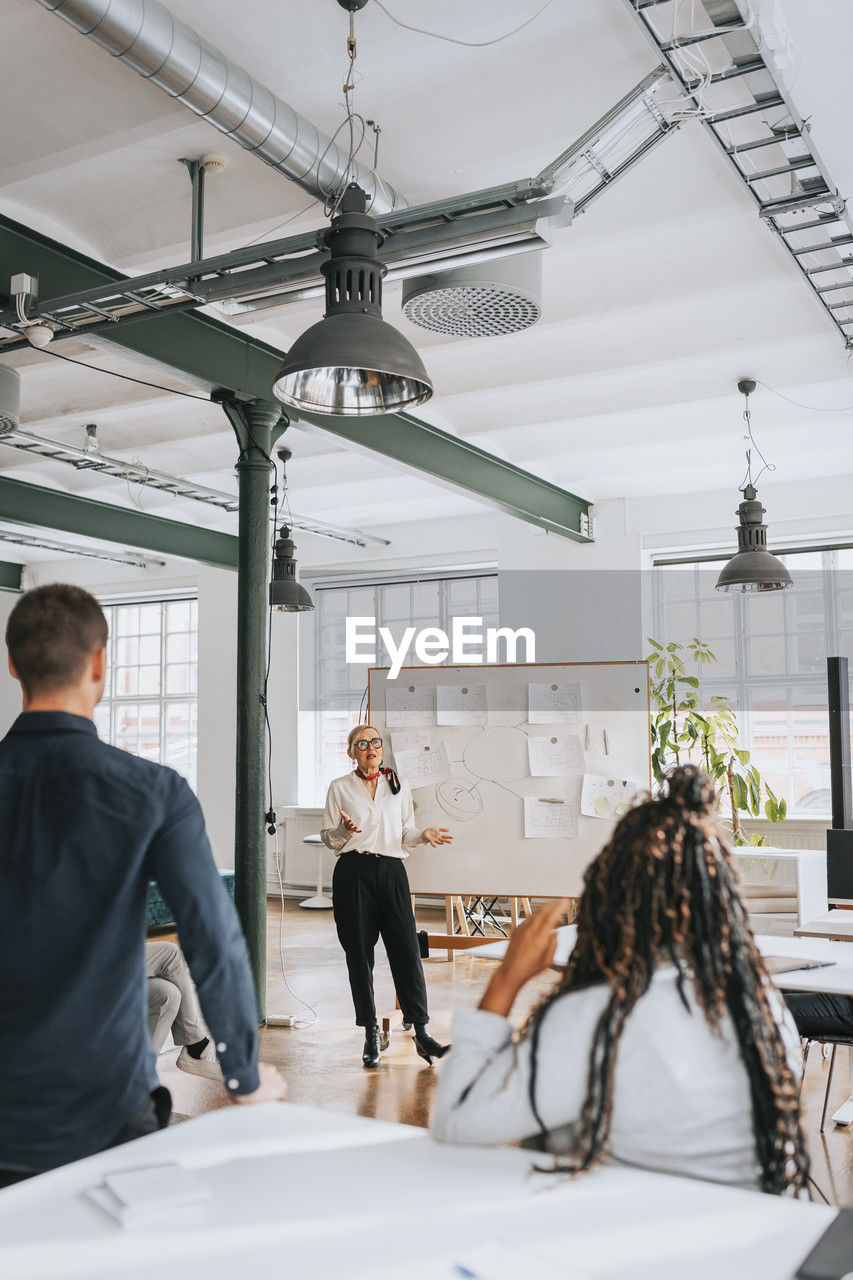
[836, 978]
[835, 924]
[388, 1202]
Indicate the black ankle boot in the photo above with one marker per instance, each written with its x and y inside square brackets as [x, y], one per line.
[371, 1056]
[426, 1047]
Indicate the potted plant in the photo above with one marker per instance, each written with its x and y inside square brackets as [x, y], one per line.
[685, 726]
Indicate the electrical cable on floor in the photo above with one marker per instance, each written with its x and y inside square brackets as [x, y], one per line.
[301, 1024]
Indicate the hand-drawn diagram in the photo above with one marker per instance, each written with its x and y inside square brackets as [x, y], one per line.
[547, 817]
[554, 755]
[496, 755]
[409, 706]
[554, 703]
[606, 797]
[461, 704]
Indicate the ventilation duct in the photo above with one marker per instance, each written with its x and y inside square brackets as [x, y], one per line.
[147, 37]
[10, 399]
[502, 296]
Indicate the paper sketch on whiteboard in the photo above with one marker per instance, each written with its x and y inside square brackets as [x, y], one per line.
[409, 706]
[406, 739]
[606, 797]
[554, 703]
[549, 817]
[461, 704]
[423, 766]
[554, 755]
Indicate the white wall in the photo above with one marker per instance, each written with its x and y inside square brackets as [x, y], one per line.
[10, 690]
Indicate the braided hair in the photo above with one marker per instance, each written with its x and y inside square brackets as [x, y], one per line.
[664, 888]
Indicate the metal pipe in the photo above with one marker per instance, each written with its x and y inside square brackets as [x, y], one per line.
[257, 426]
[147, 37]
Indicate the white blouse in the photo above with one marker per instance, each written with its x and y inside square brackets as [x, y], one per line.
[681, 1101]
[387, 821]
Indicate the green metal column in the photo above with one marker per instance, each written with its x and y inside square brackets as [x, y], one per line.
[257, 425]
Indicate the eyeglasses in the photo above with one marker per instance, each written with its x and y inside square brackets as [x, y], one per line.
[363, 744]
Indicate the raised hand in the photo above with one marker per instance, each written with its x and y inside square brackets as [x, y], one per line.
[530, 950]
[436, 835]
[349, 824]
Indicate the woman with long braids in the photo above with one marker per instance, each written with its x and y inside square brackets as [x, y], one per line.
[664, 1044]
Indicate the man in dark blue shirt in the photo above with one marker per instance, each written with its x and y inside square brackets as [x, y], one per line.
[83, 828]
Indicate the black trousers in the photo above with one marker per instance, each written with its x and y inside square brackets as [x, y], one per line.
[818, 1014]
[153, 1112]
[371, 899]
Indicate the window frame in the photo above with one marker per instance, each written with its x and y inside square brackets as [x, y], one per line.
[112, 701]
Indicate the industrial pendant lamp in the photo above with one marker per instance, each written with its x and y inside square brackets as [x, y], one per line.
[286, 593]
[752, 567]
[353, 362]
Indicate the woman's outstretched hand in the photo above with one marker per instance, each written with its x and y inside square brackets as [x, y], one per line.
[530, 950]
[349, 824]
[436, 835]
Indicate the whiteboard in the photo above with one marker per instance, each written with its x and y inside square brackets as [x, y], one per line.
[472, 771]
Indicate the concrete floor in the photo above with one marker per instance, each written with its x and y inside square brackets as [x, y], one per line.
[322, 1062]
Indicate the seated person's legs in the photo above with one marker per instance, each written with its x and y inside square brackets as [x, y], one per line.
[818, 1014]
[166, 967]
[164, 1000]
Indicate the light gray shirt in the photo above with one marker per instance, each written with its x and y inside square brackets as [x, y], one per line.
[387, 821]
[681, 1101]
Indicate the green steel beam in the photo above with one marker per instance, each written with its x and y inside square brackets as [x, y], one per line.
[10, 576]
[216, 356]
[31, 504]
[419, 444]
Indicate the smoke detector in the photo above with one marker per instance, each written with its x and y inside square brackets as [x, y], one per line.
[501, 296]
[10, 399]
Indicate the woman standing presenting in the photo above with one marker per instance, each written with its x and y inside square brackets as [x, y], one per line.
[370, 824]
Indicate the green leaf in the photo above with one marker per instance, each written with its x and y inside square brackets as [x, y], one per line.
[655, 644]
[743, 756]
[691, 680]
[740, 793]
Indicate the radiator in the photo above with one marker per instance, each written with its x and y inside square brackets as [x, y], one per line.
[299, 862]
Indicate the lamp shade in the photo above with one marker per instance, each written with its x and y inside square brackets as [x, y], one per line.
[753, 567]
[352, 362]
[285, 591]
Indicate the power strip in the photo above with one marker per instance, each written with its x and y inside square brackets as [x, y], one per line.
[282, 1020]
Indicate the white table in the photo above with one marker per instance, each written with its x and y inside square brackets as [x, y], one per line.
[318, 1196]
[833, 924]
[319, 902]
[837, 979]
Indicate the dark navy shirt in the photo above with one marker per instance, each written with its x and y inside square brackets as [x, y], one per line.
[83, 828]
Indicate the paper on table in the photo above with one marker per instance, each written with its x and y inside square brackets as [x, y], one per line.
[134, 1195]
[546, 817]
[553, 755]
[555, 702]
[423, 766]
[606, 797]
[461, 704]
[409, 705]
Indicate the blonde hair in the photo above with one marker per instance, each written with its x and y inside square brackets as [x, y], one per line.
[353, 735]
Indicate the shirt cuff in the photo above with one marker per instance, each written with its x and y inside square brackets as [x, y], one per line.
[241, 1080]
[479, 1026]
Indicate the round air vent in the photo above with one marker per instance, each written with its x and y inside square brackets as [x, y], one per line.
[502, 296]
[10, 399]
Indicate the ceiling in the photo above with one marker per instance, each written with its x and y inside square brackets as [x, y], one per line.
[665, 292]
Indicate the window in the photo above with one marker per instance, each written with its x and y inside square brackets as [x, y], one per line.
[772, 650]
[150, 703]
[341, 688]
